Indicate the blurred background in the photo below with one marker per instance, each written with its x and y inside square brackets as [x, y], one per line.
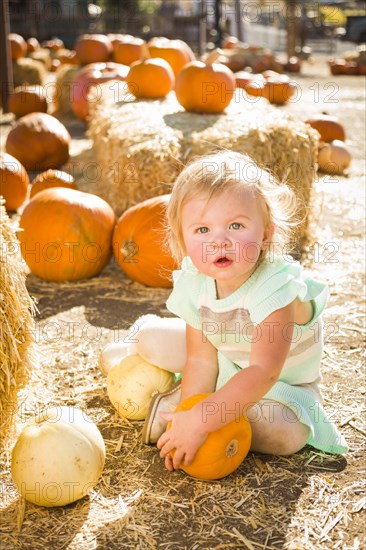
[328, 26]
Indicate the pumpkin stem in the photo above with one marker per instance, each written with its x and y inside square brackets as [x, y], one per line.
[232, 448]
[213, 56]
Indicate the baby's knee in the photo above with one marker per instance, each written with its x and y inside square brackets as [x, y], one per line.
[290, 441]
[279, 433]
[161, 341]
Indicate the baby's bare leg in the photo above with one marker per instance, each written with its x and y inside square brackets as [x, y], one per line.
[276, 429]
[161, 341]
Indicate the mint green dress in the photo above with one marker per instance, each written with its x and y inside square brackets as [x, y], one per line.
[231, 324]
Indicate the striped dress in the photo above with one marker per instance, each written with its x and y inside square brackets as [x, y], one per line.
[231, 324]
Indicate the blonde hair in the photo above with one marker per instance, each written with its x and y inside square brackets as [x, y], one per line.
[214, 173]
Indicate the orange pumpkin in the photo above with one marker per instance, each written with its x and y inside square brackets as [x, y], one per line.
[93, 48]
[54, 45]
[51, 178]
[337, 66]
[230, 42]
[138, 243]
[55, 64]
[66, 234]
[205, 87]
[85, 85]
[18, 46]
[242, 79]
[223, 451]
[67, 57]
[39, 141]
[328, 127]
[130, 50]
[293, 65]
[278, 89]
[33, 45]
[27, 99]
[151, 78]
[255, 86]
[116, 38]
[334, 158]
[275, 87]
[176, 52]
[14, 181]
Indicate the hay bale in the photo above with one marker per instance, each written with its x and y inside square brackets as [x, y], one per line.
[140, 146]
[28, 71]
[65, 77]
[17, 326]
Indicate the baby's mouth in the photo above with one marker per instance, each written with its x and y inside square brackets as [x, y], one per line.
[223, 261]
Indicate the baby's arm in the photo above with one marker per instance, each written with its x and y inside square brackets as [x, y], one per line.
[201, 369]
[248, 386]
[242, 391]
[199, 376]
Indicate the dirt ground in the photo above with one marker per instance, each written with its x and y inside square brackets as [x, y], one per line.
[308, 501]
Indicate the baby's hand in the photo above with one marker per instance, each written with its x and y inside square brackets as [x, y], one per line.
[185, 437]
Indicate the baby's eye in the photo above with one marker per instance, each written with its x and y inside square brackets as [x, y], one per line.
[202, 230]
[236, 225]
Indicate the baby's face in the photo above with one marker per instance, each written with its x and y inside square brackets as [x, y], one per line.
[225, 236]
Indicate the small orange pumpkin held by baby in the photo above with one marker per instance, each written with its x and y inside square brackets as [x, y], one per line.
[223, 451]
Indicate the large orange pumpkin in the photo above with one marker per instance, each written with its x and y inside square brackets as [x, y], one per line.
[139, 243]
[66, 234]
[14, 181]
[85, 86]
[223, 450]
[329, 127]
[93, 48]
[27, 99]
[176, 52]
[39, 141]
[18, 46]
[151, 78]
[130, 50]
[205, 87]
[51, 178]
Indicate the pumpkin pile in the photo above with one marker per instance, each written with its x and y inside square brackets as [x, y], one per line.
[352, 63]
[277, 88]
[333, 156]
[239, 56]
[223, 451]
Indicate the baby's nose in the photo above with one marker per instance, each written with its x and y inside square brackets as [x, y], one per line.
[222, 238]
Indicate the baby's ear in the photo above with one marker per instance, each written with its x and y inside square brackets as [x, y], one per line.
[267, 235]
